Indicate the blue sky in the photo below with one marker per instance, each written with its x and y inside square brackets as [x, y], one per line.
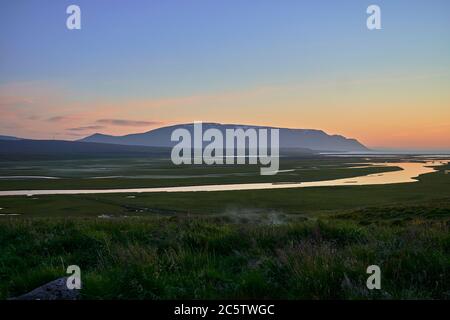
[138, 50]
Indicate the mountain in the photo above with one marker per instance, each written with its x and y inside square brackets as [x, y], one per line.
[58, 149]
[8, 138]
[316, 140]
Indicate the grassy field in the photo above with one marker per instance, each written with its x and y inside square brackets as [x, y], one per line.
[179, 257]
[305, 201]
[311, 243]
[140, 173]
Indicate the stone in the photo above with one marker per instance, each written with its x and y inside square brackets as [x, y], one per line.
[54, 290]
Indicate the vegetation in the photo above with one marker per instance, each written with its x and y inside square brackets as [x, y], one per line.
[312, 243]
[154, 172]
[171, 258]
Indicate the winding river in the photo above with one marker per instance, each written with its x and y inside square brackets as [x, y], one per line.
[408, 173]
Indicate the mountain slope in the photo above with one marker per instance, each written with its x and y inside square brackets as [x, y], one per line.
[18, 149]
[289, 138]
[9, 138]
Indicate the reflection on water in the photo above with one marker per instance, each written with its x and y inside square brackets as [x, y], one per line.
[408, 173]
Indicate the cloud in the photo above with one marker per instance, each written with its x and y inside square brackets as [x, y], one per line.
[67, 118]
[57, 119]
[127, 123]
[86, 128]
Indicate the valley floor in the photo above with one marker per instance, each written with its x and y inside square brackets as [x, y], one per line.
[296, 244]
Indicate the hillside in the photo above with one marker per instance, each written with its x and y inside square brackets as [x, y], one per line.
[18, 149]
[316, 140]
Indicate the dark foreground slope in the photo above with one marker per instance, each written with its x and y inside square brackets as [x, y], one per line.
[58, 149]
[23, 149]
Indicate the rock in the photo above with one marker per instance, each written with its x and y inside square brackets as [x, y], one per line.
[54, 290]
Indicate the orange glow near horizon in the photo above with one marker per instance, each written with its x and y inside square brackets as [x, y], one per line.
[402, 113]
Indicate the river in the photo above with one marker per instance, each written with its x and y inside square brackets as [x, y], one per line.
[408, 174]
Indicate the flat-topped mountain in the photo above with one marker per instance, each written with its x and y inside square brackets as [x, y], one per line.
[316, 140]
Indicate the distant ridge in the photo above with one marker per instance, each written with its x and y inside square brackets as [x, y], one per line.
[59, 149]
[311, 139]
[10, 138]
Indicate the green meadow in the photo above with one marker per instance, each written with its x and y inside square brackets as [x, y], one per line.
[305, 243]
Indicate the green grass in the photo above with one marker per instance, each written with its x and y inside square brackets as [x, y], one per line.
[210, 258]
[303, 201]
[141, 173]
[310, 243]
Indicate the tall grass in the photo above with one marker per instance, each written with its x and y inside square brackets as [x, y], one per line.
[173, 258]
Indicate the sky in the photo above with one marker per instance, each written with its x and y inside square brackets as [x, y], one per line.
[137, 65]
